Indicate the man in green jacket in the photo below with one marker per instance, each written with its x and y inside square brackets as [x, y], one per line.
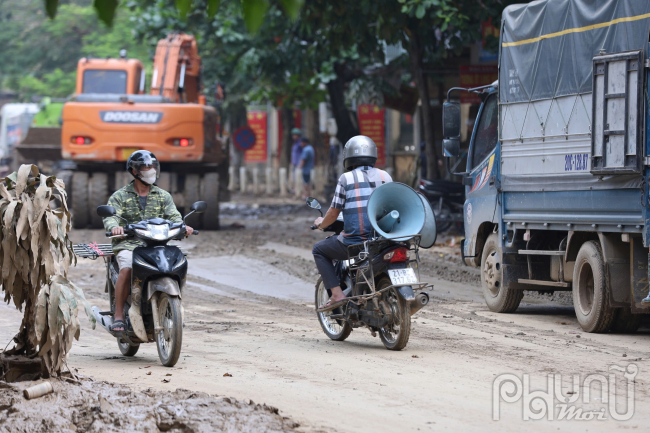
[138, 201]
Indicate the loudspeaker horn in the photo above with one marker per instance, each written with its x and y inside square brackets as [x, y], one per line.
[396, 211]
[430, 230]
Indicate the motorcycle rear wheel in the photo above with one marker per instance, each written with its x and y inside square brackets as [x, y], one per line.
[170, 340]
[395, 335]
[337, 330]
[126, 349]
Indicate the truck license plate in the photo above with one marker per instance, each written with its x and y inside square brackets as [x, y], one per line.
[402, 276]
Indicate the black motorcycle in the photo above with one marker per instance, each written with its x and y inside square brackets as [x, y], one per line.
[447, 199]
[380, 283]
[153, 310]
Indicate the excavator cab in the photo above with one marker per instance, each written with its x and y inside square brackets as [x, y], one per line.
[112, 76]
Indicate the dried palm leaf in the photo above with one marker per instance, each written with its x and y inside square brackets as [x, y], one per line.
[35, 255]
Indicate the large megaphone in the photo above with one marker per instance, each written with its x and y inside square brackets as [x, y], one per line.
[430, 230]
[397, 212]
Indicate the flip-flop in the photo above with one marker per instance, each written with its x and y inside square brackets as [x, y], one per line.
[331, 305]
[118, 324]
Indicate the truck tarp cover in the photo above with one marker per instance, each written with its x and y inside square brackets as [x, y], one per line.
[547, 46]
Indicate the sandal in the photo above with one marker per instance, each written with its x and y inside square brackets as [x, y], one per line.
[118, 324]
[331, 305]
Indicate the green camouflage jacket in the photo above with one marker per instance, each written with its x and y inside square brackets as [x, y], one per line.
[127, 204]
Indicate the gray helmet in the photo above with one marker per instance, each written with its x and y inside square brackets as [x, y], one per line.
[359, 150]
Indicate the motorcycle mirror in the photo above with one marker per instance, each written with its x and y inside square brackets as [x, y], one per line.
[199, 206]
[313, 203]
[106, 211]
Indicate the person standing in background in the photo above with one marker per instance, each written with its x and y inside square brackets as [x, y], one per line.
[307, 165]
[296, 152]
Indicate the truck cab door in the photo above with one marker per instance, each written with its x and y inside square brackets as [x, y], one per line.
[482, 166]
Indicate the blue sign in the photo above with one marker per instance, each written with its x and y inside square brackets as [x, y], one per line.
[244, 138]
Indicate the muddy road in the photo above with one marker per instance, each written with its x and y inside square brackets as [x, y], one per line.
[251, 333]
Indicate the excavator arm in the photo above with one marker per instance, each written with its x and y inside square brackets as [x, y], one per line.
[177, 69]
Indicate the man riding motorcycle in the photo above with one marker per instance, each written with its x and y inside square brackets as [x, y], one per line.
[351, 196]
[138, 201]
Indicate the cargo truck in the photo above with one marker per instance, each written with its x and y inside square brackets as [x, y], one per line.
[559, 161]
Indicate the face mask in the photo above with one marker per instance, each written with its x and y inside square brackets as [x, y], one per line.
[149, 177]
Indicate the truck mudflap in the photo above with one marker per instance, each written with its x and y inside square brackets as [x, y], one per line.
[639, 277]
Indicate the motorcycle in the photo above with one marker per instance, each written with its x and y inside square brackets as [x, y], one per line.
[447, 199]
[153, 310]
[381, 286]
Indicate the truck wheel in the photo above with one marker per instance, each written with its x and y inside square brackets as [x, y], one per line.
[80, 200]
[498, 298]
[589, 290]
[97, 196]
[192, 192]
[625, 322]
[211, 197]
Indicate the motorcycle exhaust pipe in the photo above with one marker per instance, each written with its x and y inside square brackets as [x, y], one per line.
[420, 301]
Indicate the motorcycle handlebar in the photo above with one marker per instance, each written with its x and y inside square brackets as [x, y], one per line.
[195, 232]
[314, 227]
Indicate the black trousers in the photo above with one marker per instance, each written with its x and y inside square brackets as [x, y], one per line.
[324, 252]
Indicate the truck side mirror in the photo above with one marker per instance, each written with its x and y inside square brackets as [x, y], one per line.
[451, 147]
[451, 120]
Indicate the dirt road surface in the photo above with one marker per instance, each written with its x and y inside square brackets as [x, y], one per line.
[249, 313]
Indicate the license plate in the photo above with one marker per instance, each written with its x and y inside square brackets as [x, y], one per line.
[126, 152]
[402, 276]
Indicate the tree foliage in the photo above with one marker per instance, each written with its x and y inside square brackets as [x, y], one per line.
[39, 55]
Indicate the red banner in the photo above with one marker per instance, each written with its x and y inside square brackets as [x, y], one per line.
[372, 123]
[476, 76]
[257, 122]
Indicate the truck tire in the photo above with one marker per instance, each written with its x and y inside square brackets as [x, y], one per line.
[211, 197]
[192, 192]
[97, 196]
[625, 322]
[498, 298]
[80, 200]
[590, 299]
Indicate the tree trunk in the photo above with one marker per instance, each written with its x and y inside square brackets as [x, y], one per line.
[286, 113]
[336, 89]
[416, 52]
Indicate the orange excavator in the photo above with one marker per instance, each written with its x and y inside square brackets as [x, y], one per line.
[110, 117]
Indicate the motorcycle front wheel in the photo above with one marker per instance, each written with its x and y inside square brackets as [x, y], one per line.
[395, 335]
[170, 340]
[337, 330]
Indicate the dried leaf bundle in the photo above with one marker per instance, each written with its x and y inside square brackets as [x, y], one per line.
[35, 256]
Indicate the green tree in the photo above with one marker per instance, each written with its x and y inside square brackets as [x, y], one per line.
[39, 55]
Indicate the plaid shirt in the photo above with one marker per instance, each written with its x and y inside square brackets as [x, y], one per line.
[126, 202]
[351, 195]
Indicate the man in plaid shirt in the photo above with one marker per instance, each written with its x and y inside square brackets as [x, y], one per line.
[350, 197]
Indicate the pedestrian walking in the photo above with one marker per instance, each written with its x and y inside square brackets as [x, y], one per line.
[307, 165]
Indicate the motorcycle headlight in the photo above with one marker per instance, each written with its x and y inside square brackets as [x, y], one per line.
[174, 232]
[143, 233]
[180, 263]
[158, 232]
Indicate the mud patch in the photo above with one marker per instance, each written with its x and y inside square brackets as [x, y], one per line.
[89, 406]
